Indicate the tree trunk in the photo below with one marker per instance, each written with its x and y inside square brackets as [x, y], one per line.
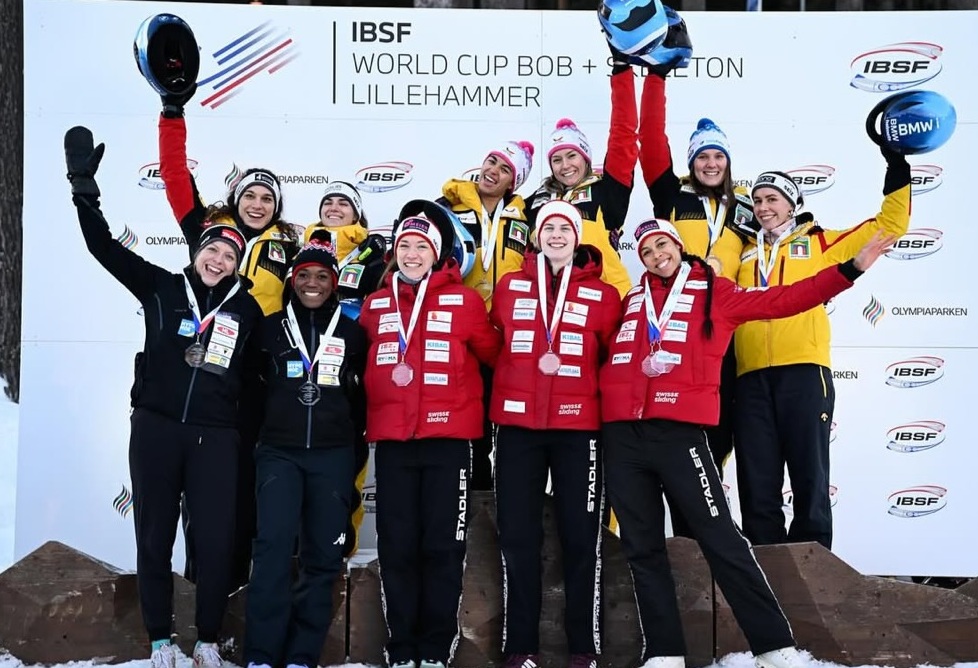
[11, 190]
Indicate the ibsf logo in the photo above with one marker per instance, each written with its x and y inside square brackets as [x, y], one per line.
[915, 244]
[813, 178]
[915, 372]
[917, 501]
[915, 436]
[384, 177]
[924, 178]
[896, 66]
[151, 179]
[789, 499]
[472, 174]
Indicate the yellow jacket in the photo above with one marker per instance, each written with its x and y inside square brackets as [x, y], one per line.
[511, 237]
[345, 238]
[689, 218]
[804, 338]
[594, 233]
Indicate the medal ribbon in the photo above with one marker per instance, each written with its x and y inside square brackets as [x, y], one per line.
[657, 323]
[551, 329]
[489, 239]
[766, 262]
[715, 224]
[201, 325]
[404, 338]
[300, 344]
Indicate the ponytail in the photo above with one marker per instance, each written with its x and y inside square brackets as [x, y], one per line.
[707, 320]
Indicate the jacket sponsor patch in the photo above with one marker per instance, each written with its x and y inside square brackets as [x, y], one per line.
[518, 231]
[186, 328]
[510, 406]
[581, 196]
[387, 327]
[666, 397]
[294, 369]
[625, 336]
[437, 344]
[382, 302]
[633, 307]
[276, 252]
[438, 416]
[521, 347]
[589, 293]
[677, 325]
[569, 371]
[440, 316]
[387, 347]
[519, 286]
[436, 356]
[571, 337]
[683, 308]
[526, 303]
[621, 358]
[389, 317]
[569, 409]
[574, 307]
[351, 275]
[524, 314]
[683, 298]
[800, 249]
[571, 349]
[438, 326]
[436, 379]
[386, 358]
[629, 325]
[574, 318]
[450, 300]
[696, 285]
[672, 335]
[523, 335]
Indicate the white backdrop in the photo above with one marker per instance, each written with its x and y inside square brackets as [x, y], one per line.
[401, 100]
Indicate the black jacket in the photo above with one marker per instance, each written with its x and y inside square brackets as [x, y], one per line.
[164, 382]
[338, 419]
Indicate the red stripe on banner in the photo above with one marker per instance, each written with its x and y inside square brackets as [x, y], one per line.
[257, 66]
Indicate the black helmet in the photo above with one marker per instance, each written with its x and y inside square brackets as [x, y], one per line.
[442, 218]
[166, 54]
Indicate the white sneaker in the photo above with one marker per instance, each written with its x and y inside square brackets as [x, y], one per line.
[207, 656]
[665, 662]
[163, 657]
[786, 657]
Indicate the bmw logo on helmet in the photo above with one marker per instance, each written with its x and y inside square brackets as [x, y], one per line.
[633, 26]
[911, 122]
[166, 54]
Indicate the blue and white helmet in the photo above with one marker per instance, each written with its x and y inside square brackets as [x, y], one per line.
[166, 54]
[675, 50]
[912, 122]
[633, 27]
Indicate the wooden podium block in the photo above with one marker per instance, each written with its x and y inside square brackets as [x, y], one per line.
[841, 616]
[58, 604]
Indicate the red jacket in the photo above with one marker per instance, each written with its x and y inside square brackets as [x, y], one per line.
[522, 396]
[452, 335]
[688, 393]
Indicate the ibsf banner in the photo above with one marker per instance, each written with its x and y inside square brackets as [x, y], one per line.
[399, 101]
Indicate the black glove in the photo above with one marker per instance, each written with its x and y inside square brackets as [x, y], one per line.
[173, 104]
[619, 61]
[371, 249]
[82, 158]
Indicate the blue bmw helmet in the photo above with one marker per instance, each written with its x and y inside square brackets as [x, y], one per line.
[350, 307]
[676, 48]
[166, 54]
[633, 26]
[912, 122]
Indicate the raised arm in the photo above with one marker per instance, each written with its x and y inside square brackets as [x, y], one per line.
[82, 158]
[181, 189]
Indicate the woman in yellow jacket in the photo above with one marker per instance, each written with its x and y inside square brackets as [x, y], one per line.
[494, 215]
[785, 396]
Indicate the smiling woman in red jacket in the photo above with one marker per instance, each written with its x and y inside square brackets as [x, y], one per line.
[427, 335]
[659, 389]
[557, 317]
